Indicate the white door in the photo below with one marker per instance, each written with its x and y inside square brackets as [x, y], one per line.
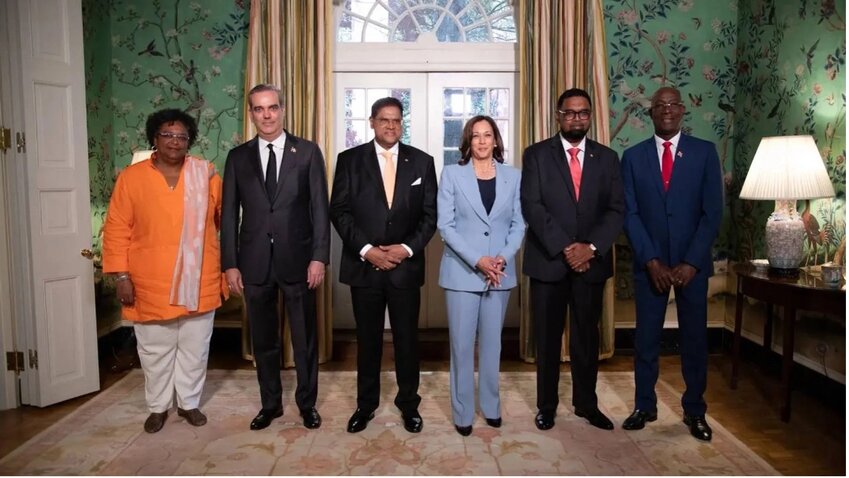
[436, 108]
[59, 316]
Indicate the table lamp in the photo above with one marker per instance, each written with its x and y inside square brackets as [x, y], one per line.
[785, 169]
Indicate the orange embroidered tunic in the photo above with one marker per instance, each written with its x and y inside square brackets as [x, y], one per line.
[142, 236]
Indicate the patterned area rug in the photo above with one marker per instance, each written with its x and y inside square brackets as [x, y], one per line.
[105, 436]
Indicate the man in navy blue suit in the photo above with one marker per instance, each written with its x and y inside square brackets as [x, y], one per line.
[673, 208]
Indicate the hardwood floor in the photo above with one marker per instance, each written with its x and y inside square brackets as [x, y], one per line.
[813, 443]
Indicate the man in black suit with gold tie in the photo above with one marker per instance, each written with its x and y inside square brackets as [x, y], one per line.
[277, 184]
[384, 207]
[573, 201]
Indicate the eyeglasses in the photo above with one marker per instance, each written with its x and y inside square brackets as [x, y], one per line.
[166, 136]
[384, 122]
[667, 106]
[571, 114]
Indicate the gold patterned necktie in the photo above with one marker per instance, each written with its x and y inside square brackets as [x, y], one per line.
[388, 176]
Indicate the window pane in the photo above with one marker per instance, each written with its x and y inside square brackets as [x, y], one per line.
[476, 98]
[453, 133]
[405, 20]
[355, 133]
[452, 102]
[375, 94]
[449, 30]
[451, 156]
[499, 103]
[355, 103]
[503, 128]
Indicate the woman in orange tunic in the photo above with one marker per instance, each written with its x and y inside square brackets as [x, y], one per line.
[161, 242]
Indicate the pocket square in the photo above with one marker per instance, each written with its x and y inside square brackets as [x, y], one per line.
[417, 182]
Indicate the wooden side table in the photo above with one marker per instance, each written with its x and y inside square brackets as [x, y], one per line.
[805, 292]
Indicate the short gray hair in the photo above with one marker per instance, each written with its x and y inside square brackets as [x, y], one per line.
[266, 87]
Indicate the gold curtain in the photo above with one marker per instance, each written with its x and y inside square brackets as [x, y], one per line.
[289, 44]
[561, 45]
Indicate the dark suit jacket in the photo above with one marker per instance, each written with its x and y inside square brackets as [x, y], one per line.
[678, 225]
[297, 218]
[555, 219]
[361, 215]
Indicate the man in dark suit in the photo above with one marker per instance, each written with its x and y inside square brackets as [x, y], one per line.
[572, 200]
[384, 207]
[278, 182]
[673, 204]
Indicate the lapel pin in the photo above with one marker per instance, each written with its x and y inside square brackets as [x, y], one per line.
[292, 149]
[680, 154]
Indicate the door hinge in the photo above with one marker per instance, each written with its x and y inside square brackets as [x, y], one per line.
[22, 142]
[15, 362]
[5, 139]
[33, 359]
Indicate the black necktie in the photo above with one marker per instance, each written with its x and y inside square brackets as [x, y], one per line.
[271, 173]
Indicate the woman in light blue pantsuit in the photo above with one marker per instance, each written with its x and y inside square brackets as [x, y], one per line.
[480, 219]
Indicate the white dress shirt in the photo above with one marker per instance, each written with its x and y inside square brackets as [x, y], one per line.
[278, 143]
[658, 142]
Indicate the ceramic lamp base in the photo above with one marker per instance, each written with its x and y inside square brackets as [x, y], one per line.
[785, 233]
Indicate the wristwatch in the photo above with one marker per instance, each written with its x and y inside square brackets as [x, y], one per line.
[594, 249]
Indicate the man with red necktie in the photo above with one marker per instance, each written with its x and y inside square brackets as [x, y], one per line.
[673, 208]
[572, 200]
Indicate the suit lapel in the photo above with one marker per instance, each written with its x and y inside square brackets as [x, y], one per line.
[679, 166]
[561, 163]
[502, 191]
[404, 174]
[256, 162]
[590, 171]
[287, 162]
[468, 183]
[653, 165]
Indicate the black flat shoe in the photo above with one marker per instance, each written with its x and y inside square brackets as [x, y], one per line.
[412, 422]
[638, 418]
[359, 420]
[155, 421]
[311, 418]
[595, 417]
[698, 427]
[264, 418]
[465, 431]
[494, 422]
[544, 420]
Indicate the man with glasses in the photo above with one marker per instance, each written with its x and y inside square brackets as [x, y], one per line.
[276, 183]
[572, 200]
[383, 206]
[673, 208]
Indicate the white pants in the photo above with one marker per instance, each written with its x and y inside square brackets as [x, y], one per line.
[173, 355]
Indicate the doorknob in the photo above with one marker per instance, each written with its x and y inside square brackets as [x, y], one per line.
[88, 254]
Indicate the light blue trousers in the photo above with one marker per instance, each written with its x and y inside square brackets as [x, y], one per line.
[470, 315]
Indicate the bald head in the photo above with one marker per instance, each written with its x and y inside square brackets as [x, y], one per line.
[667, 112]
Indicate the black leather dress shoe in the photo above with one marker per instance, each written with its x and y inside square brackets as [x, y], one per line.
[595, 417]
[311, 418]
[264, 418]
[359, 420]
[494, 422]
[155, 421]
[638, 418]
[465, 431]
[698, 427]
[412, 422]
[544, 420]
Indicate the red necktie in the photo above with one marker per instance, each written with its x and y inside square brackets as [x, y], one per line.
[666, 165]
[575, 169]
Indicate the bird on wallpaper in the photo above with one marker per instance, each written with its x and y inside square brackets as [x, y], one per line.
[697, 22]
[809, 55]
[695, 100]
[813, 234]
[150, 49]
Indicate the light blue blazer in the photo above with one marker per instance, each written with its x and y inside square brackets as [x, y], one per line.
[470, 233]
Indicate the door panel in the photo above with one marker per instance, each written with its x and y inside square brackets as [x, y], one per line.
[63, 334]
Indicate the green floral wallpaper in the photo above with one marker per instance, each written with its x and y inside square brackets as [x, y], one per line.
[791, 79]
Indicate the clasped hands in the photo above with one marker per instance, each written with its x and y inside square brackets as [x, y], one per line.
[493, 269]
[578, 256]
[386, 258]
[664, 277]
